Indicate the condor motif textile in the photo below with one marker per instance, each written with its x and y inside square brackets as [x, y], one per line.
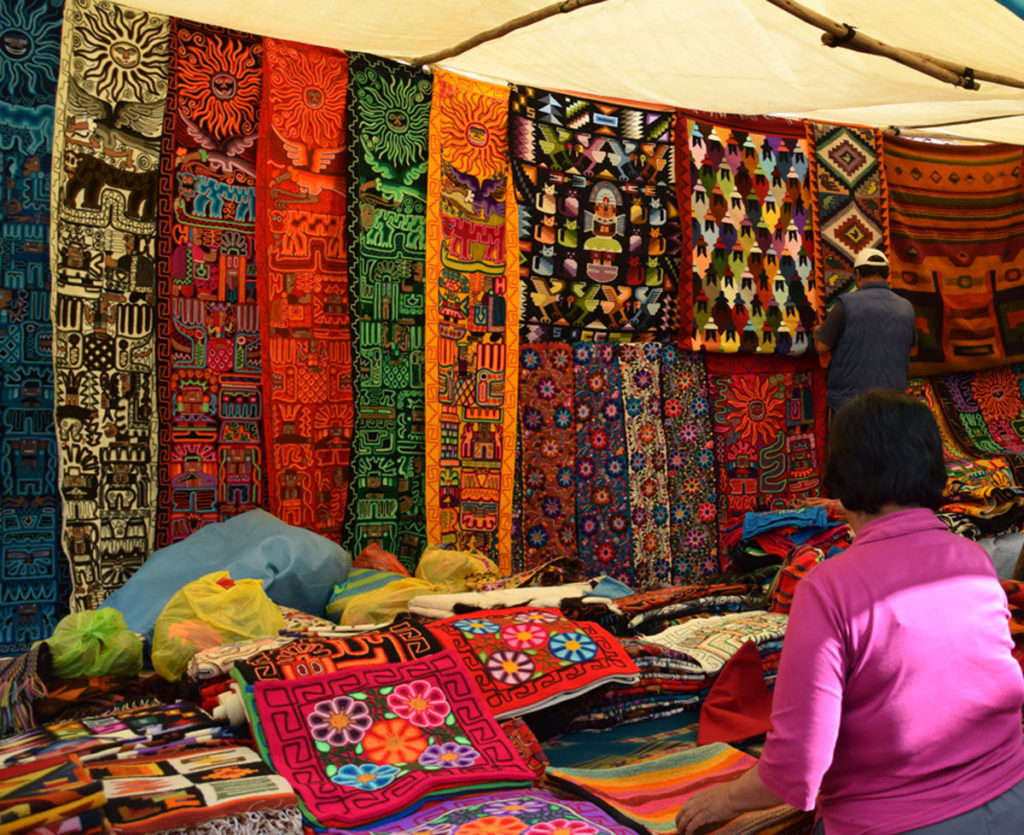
[850, 203]
[307, 361]
[768, 418]
[110, 107]
[210, 361]
[311, 655]
[690, 462]
[525, 659]
[548, 438]
[32, 597]
[753, 282]
[649, 793]
[366, 744]
[602, 477]
[508, 813]
[389, 111]
[599, 234]
[957, 227]
[471, 320]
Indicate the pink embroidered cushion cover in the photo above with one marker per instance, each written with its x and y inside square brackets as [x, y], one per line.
[365, 744]
[525, 659]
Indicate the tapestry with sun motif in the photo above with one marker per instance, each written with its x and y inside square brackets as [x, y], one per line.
[389, 113]
[471, 320]
[752, 283]
[33, 569]
[768, 419]
[304, 307]
[209, 362]
[103, 252]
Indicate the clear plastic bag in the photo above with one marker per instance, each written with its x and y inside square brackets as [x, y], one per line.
[208, 612]
[96, 642]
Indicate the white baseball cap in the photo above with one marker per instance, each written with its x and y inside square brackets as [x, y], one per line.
[870, 258]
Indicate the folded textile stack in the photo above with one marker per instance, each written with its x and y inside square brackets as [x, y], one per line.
[768, 537]
[647, 794]
[527, 659]
[364, 744]
[52, 794]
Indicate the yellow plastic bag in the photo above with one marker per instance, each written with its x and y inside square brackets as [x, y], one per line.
[96, 642]
[208, 612]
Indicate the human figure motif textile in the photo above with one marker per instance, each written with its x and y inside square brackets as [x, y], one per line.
[304, 304]
[389, 111]
[599, 233]
[209, 361]
[603, 526]
[471, 320]
[33, 569]
[957, 227]
[646, 452]
[768, 422]
[690, 451]
[103, 252]
[548, 437]
[753, 285]
[850, 203]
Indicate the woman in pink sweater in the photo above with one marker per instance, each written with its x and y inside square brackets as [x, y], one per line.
[897, 707]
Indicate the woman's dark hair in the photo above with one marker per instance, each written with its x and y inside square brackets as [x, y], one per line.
[884, 446]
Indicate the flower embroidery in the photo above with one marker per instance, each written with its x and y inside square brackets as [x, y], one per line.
[366, 776]
[339, 721]
[551, 507]
[530, 359]
[537, 536]
[449, 755]
[595, 382]
[532, 418]
[560, 359]
[673, 408]
[706, 512]
[561, 827]
[504, 825]
[563, 417]
[394, 741]
[565, 477]
[546, 389]
[476, 626]
[572, 646]
[420, 702]
[605, 552]
[514, 806]
[510, 667]
[599, 439]
[535, 617]
[523, 635]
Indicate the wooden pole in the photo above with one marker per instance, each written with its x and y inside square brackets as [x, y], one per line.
[839, 34]
[503, 29]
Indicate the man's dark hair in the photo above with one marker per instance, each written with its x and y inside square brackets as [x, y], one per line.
[872, 271]
[884, 446]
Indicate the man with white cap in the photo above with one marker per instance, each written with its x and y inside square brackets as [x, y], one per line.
[870, 332]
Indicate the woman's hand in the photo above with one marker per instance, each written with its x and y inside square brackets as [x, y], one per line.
[712, 805]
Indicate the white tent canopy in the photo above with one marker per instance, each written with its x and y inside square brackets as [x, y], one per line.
[735, 56]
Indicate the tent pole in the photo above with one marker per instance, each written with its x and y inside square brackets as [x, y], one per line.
[504, 29]
[840, 34]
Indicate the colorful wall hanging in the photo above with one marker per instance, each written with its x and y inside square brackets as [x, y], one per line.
[599, 235]
[34, 572]
[525, 659]
[471, 337]
[548, 440]
[389, 111]
[370, 743]
[103, 253]
[304, 305]
[957, 226]
[209, 363]
[768, 417]
[850, 203]
[753, 287]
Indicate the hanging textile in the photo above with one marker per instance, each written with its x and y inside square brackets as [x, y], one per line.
[646, 455]
[304, 313]
[599, 234]
[689, 444]
[548, 439]
[850, 203]
[389, 110]
[110, 105]
[605, 538]
[769, 425]
[957, 226]
[753, 287]
[34, 572]
[209, 363]
[471, 339]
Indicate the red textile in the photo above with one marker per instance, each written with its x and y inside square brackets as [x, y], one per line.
[739, 705]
